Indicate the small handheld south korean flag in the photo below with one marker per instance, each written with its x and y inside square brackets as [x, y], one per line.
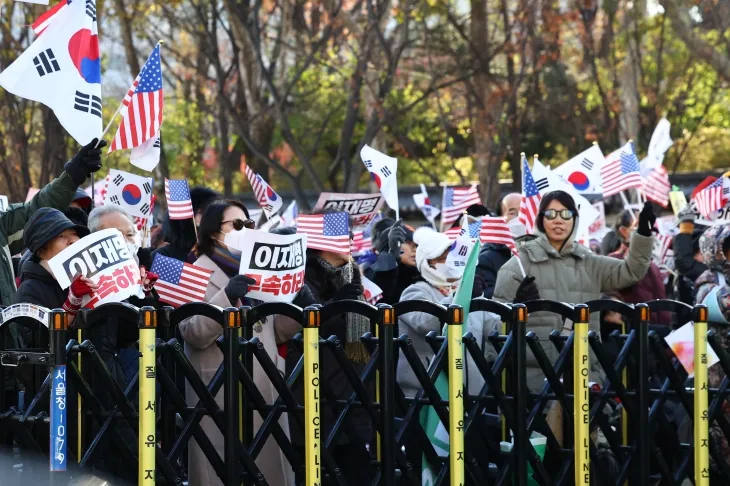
[130, 191]
[267, 198]
[383, 171]
[423, 202]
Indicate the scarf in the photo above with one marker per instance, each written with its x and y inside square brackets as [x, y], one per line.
[227, 261]
[357, 324]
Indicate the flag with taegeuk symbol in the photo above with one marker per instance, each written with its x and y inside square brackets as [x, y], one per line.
[142, 106]
[383, 171]
[326, 232]
[179, 202]
[180, 283]
[530, 204]
[130, 191]
[267, 198]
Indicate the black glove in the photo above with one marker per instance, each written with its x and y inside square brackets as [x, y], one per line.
[237, 288]
[305, 297]
[349, 291]
[478, 289]
[85, 162]
[527, 291]
[647, 218]
[396, 237]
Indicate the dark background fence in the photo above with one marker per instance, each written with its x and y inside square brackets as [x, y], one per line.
[639, 423]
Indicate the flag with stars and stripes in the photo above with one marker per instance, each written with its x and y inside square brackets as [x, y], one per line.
[267, 198]
[621, 171]
[142, 106]
[180, 283]
[530, 203]
[657, 187]
[455, 201]
[488, 229]
[326, 232]
[179, 202]
[711, 198]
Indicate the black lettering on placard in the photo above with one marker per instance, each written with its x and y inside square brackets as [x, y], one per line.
[354, 207]
[271, 257]
[97, 257]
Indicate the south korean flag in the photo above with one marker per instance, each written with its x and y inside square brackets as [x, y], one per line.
[130, 191]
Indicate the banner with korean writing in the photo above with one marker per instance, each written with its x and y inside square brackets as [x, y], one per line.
[104, 258]
[361, 207]
[275, 262]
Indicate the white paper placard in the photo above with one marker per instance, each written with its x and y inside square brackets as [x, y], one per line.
[361, 207]
[682, 344]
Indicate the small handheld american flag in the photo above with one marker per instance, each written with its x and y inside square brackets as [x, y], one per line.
[180, 283]
[143, 116]
[455, 201]
[657, 186]
[711, 198]
[179, 203]
[530, 204]
[326, 232]
[621, 172]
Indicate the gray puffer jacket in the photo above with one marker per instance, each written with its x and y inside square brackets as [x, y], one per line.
[418, 324]
[575, 275]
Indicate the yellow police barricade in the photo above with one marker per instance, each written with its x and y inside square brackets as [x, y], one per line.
[455, 328]
[701, 417]
[147, 398]
[581, 376]
[311, 398]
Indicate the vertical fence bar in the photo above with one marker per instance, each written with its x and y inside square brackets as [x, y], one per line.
[701, 417]
[643, 432]
[581, 374]
[505, 438]
[455, 332]
[624, 414]
[519, 356]
[231, 328]
[311, 398]
[387, 394]
[79, 323]
[167, 411]
[147, 398]
[59, 419]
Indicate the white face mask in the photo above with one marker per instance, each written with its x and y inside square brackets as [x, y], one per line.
[133, 249]
[449, 271]
[516, 228]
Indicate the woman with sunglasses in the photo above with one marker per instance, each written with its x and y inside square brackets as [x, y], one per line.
[557, 268]
[229, 289]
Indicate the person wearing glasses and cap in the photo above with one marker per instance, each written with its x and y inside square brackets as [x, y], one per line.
[554, 266]
[229, 289]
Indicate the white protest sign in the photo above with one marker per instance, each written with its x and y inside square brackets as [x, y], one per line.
[104, 258]
[682, 344]
[32, 311]
[361, 207]
[3, 203]
[371, 292]
[667, 225]
[275, 262]
[599, 224]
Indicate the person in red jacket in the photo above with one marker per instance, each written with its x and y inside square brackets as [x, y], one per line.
[651, 287]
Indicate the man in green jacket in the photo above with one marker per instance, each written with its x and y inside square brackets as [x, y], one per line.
[58, 194]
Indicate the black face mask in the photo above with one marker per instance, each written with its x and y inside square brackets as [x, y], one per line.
[77, 216]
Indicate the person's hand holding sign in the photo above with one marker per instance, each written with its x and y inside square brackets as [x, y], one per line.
[80, 287]
[147, 279]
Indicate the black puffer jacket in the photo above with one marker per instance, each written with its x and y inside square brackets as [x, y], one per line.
[392, 278]
[39, 287]
[492, 257]
[331, 372]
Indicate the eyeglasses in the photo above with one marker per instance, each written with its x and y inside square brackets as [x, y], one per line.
[239, 224]
[551, 214]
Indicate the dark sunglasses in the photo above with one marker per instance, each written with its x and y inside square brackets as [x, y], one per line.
[239, 224]
[551, 214]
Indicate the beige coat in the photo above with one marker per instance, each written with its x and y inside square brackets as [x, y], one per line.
[200, 334]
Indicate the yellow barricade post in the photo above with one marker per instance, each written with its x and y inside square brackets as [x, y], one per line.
[147, 398]
[701, 414]
[313, 475]
[581, 374]
[455, 325]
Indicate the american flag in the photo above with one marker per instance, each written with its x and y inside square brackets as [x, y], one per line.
[44, 20]
[361, 241]
[530, 203]
[326, 232]
[657, 186]
[664, 242]
[621, 173]
[143, 116]
[711, 198]
[455, 201]
[495, 230]
[180, 283]
[179, 203]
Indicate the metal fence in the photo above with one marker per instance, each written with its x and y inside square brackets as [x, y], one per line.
[642, 424]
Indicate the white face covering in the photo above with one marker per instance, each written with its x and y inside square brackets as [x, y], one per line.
[449, 271]
[133, 249]
[439, 276]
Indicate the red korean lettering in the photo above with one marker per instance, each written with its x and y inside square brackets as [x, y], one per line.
[272, 285]
[286, 283]
[255, 286]
[107, 286]
[298, 281]
[124, 277]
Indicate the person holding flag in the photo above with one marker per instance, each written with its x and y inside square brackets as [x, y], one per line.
[395, 268]
[554, 266]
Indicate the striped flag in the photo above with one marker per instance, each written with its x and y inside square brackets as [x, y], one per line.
[267, 198]
[530, 203]
[455, 201]
[711, 198]
[621, 171]
[180, 283]
[361, 242]
[495, 230]
[142, 118]
[657, 187]
[371, 291]
[326, 232]
[44, 20]
[179, 203]
[662, 247]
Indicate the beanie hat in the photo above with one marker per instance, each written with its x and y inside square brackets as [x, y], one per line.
[45, 225]
[431, 244]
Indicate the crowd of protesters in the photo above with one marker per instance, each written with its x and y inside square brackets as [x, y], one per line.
[407, 263]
